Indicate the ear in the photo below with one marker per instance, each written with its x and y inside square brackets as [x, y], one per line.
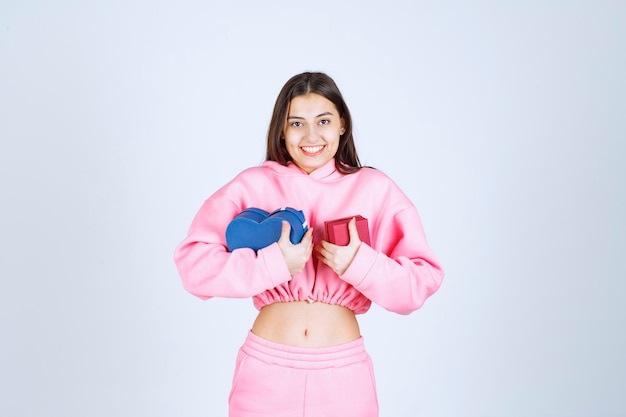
[343, 126]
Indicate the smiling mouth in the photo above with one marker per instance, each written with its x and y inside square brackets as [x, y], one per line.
[312, 150]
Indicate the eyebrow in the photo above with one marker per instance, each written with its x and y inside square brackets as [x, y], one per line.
[319, 115]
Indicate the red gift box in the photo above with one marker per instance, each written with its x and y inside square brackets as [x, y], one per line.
[337, 230]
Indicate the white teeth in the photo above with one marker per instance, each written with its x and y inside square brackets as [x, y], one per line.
[312, 149]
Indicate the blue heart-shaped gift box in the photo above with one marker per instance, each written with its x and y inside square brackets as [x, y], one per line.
[256, 228]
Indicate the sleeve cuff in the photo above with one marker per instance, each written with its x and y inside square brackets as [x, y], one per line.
[360, 266]
[277, 271]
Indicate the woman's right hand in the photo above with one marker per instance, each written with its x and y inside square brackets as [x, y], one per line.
[296, 256]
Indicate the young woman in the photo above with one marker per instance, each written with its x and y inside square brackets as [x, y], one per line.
[304, 355]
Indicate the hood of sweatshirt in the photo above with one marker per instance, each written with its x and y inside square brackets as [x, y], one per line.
[327, 171]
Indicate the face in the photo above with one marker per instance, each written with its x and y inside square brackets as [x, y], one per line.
[312, 131]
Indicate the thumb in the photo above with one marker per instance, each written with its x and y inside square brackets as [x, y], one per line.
[353, 231]
[286, 230]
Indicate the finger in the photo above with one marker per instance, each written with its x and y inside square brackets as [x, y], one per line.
[322, 254]
[324, 261]
[353, 231]
[321, 250]
[329, 249]
[284, 233]
[308, 236]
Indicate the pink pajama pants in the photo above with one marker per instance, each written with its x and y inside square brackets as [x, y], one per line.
[275, 380]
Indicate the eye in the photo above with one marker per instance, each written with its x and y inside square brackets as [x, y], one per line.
[324, 121]
[295, 124]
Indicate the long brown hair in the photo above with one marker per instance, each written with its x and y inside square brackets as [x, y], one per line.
[346, 159]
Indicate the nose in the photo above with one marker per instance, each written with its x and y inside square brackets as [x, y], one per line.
[312, 133]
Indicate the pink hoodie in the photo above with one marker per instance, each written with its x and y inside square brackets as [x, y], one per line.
[398, 271]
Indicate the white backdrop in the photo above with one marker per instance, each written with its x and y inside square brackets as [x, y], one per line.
[503, 121]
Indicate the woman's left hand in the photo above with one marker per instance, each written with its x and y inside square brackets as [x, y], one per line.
[338, 257]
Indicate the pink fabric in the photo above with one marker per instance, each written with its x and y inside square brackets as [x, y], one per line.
[397, 270]
[274, 380]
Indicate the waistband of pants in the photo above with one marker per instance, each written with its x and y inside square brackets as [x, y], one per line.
[304, 357]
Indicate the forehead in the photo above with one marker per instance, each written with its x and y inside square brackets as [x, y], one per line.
[311, 104]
